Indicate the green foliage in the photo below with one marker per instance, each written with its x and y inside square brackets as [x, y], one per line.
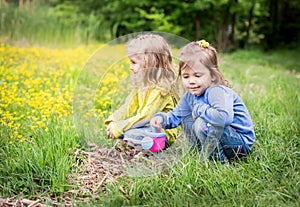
[229, 24]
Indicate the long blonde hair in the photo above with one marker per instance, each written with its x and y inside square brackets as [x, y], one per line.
[157, 69]
[206, 55]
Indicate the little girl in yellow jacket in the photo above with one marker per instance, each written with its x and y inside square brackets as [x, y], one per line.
[153, 82]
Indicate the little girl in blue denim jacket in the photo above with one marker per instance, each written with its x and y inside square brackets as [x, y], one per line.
[214, 118]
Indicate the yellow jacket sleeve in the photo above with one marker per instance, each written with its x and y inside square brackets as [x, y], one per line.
[126, 110]
[141, 105]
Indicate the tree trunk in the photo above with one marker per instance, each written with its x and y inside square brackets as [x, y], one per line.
[250, 17]
[21, 3]
[222, 39]
[271, 32]
[28, 3]
[197, 28]
[3, 2]
[233, 21]
[275, 22]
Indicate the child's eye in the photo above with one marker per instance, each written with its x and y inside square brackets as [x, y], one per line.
[185, 76]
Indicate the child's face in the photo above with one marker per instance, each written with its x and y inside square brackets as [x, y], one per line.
[136, 62]
[196, 80]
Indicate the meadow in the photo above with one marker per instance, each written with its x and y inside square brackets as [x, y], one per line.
[39, 138]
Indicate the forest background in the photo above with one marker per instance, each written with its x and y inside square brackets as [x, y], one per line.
[228, 24]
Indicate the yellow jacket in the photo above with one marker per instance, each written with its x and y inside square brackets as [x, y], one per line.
[142, 105]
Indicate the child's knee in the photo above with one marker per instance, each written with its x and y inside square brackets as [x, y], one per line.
[200, 126]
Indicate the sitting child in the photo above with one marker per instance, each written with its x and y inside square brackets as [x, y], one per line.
[153, 81]
[214, 118]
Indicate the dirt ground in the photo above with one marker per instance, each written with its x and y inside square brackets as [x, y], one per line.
[106, 165]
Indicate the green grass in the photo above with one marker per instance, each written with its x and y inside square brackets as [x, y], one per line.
[30, 169]
[268, 83]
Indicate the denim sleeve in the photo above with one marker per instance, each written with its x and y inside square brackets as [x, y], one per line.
[217, 109]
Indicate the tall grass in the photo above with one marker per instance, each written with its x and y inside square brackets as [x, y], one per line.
[38, 139]
[31, 168]
[38, 24]
[269, 85]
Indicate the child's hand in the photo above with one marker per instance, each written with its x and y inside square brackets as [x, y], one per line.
[109, 131]
[156, 122]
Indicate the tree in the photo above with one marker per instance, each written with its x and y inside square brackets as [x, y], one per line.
[227, 24]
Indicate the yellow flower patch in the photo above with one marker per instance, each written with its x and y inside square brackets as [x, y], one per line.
[37, 86]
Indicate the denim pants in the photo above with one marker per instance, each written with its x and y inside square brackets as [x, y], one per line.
[136, 135]
[214, 142]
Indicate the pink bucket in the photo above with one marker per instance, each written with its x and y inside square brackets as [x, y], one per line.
[159, 143]
[155, 143]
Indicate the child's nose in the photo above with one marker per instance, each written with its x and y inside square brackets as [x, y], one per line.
[191, 80]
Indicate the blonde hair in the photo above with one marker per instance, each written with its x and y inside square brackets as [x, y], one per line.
[157, 69]
[206, 55]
